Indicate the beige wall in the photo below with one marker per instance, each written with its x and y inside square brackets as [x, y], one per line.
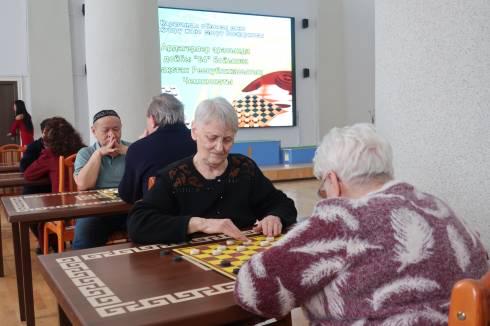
[433, 99]
[346, 62]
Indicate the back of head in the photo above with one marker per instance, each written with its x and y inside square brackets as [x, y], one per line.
[61, 137]
[43, 123]
[357, 154]
[166, 110]
[20, 108]
[216, 109]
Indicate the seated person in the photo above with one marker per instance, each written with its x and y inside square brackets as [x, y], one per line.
[32, 153]
[59, 139]
[100, 166]
[212, 191]
[375, 251]
[167, 140]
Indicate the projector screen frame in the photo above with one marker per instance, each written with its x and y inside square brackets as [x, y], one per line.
[292, 20]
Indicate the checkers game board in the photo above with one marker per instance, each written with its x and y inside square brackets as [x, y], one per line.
[237, 259]
[254, 111]
[111, 193]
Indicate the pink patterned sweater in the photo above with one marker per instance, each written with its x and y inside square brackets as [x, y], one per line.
[389, 258]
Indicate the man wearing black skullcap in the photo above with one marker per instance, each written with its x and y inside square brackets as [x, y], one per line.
[100, 166]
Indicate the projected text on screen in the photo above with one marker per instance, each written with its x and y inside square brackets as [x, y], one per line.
[247, 59]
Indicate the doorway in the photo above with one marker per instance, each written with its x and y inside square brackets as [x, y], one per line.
[8, 94]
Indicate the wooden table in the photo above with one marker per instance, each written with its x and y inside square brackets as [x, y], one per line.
[136, 285]
[16, 179]
[23, 210]
[288, 172]
[4, 168]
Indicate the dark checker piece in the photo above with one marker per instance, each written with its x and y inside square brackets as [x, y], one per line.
[225, 263]
[177, 258]
[236, 270]
[165, 252]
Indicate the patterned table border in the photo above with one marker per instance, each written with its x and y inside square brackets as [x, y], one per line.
[50, 194]
[107, 304]
[21, 206]
[133, 250]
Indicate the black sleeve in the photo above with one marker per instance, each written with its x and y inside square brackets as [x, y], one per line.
[267, 200]
[32, 153]
[154, 219]
[130, 186]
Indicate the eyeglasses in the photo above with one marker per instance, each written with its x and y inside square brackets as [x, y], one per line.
[321, 191]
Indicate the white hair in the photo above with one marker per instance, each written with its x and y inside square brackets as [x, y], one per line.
[217, 109]
[356, 154]
[166, 110]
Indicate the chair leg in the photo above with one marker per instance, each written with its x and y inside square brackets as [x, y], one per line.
[61, 243]
[45, 240]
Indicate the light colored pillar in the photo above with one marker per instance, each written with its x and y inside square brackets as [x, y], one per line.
[50, 61]
[123, 59]
[433, 99]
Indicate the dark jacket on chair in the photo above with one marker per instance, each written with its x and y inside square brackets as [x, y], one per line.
[150, 154]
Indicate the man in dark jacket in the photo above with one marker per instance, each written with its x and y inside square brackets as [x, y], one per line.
[166, 140]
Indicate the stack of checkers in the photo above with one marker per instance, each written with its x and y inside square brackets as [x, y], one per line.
[226, 257]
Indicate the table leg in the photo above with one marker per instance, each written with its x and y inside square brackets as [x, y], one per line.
[27, 273]
[2, 274]
[63, 319]
[18, 270]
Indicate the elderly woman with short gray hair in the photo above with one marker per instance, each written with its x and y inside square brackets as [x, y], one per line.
[374, 252]
[212, 191]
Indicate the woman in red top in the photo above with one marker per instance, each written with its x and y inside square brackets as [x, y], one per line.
[23, 123]
[60, 138]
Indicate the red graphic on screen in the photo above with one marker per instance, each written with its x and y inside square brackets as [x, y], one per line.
[265, 98]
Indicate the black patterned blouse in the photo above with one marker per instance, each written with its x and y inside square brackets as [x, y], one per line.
[242, 193]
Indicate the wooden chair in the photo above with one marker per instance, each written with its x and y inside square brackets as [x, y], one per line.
[470, 302]
[11, 154]
[64, 229]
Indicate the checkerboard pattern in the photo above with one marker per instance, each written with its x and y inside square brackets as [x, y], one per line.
[254, 111]
[237, 259]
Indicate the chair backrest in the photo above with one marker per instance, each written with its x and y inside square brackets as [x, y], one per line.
[11, 153]
[470, 302]
[66, 168]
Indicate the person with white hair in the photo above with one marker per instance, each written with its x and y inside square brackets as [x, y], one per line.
[374, 252]
[212, 191]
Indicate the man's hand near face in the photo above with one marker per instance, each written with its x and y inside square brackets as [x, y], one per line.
[113, 148]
